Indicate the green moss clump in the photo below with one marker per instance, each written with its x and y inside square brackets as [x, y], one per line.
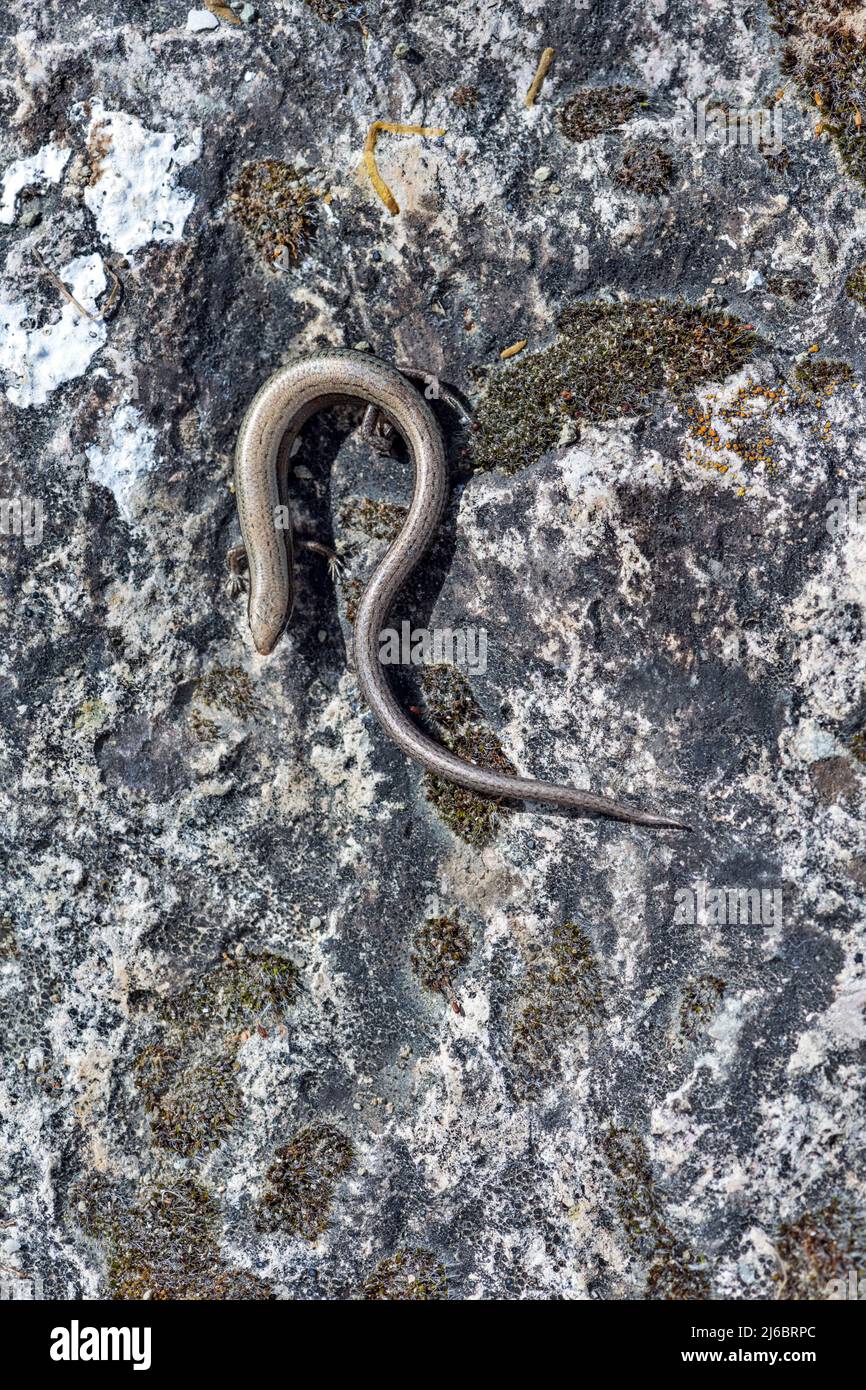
[409, 1274]
[275, 206]
[229, 688]
[192, 1103]
[458, 721]
[595, 110]
[646, 168]
[673, 1268]
[608, 360]
[824, 57]
[820, 1247]
[239, 992]
[855, 285]
[164, 1245]
[188, 1076]
[381, 521]
[701, 998]
[441, 951]
[564, 995]
[302, 1179]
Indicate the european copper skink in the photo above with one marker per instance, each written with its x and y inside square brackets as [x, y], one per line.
[267, 434]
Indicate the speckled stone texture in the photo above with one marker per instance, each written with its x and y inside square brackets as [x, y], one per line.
[276, 1023]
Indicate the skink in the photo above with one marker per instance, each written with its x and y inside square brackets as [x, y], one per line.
[269, 429]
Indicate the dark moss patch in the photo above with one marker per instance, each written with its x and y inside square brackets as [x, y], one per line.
[458, 721]
[701, 998]
[227, 688]
[596, 109]
[352, 590]
[857, 744]
[818, 1248]
[855, 285]
[792, 287]
[381, 521]
[441, 951]
[409, 1274]
[673, 1267]
[187, 1077]
[202, 729]
[302, 1179]
[609, 360]
[821, 376]
[824, 58]
[646, 168]
[328, 11]
[162, 1246]
[8, 943]
[465, 96]
[276, 208]
[564, 995]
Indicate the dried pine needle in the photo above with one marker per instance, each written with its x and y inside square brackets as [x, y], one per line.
[540, 73]
[392, 128]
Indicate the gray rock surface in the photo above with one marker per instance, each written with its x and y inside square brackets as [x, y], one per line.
[280, 1018]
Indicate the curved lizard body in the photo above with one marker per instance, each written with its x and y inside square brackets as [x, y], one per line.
[269, 429]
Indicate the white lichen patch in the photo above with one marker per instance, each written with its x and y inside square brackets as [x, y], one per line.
[35, 171]
[35, 361]
[124, 461]
[135, 196]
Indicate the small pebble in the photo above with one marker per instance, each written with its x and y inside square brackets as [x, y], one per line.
[754, 280]
[555, 188]
[401, 50]
[246, 13]
[315, 923]
[542, 173]
[363, 346]
[197, 21]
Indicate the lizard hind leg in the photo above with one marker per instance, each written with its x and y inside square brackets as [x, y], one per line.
[377, 430]
[237, 566]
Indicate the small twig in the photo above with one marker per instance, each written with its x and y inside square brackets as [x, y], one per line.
[113, 293]
[541, 71]
[67, 294]
[513, 350]
[393, 128]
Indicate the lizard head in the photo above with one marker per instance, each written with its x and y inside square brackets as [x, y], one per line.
[268, 621]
